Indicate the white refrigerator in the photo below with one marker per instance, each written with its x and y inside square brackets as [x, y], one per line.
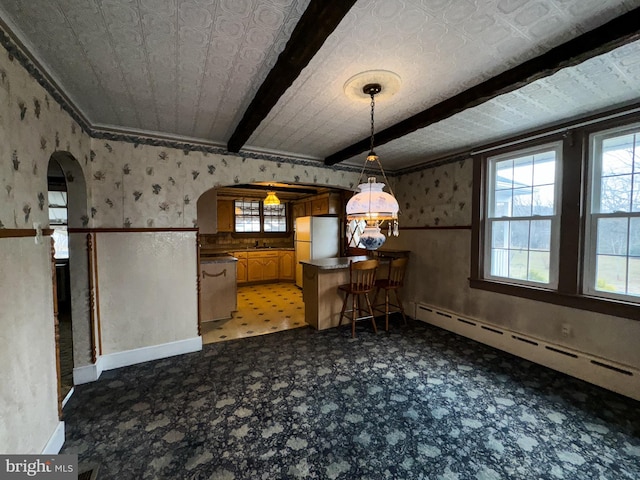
[315, 237]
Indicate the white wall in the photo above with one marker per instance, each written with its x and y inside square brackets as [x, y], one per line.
[28, 382]
[147, 291]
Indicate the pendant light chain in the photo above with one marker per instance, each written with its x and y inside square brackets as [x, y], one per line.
[373, 105]
[384, 176]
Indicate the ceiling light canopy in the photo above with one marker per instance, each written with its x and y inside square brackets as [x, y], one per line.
[372, 206]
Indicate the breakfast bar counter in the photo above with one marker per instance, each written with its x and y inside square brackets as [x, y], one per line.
[321, 277]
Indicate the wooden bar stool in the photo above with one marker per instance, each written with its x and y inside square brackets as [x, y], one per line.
[393, 282]
[362, 280]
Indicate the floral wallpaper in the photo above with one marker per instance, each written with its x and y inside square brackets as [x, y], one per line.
[136, 185]
[438, 196]
[32, 127]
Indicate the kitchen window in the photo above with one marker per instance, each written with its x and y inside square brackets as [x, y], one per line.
[613, 222]
[252, 216]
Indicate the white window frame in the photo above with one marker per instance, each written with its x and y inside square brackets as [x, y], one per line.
[555, 218]
[593, 197]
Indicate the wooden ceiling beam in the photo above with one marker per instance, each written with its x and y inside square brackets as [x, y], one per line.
[619, 31]
[318, 21]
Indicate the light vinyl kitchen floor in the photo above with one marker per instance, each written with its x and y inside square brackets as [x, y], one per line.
[262, 309]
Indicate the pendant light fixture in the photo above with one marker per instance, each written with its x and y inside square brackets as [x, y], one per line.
[271, 199]
[372, 205]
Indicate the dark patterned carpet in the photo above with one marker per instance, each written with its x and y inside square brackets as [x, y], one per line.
[419, 403]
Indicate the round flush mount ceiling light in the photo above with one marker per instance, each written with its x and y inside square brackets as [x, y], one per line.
[390, 82]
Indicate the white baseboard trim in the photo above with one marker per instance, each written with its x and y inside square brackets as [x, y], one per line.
[146, 354]
[68, 396]
[91, 373]
[87, 373]
[56, 440]
[605, 373]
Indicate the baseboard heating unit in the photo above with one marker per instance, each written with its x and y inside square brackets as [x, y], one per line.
[604, 373]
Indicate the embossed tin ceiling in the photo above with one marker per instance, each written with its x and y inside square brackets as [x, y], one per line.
[188, 69]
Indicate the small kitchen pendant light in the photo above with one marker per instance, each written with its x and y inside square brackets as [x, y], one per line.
[372, 204]
[271, 199]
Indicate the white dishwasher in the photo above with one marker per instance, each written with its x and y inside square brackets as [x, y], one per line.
[218, 288]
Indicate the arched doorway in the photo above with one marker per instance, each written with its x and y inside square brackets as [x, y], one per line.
[57, 197]
[236, 221]
[67, 201]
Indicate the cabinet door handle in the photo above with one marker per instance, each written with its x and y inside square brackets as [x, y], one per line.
[205, 274]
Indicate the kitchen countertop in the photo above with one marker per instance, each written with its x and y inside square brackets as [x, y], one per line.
[218, 259]
[214, 251]
[334, 263]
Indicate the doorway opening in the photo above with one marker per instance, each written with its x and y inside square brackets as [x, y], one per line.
[57, 196]
[240, 221]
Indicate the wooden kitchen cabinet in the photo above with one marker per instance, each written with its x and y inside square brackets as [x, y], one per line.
[241, 266]
[300, 209]
[254, 270]
[225, 216]
[326, 204]
[287, 265]
[265, 265]
[320, 205]
[270, 268]
[262, 266]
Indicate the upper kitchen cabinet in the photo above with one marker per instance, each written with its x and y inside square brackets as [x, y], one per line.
[326, 204]
[225, 215]
[323, 204]
[300, 209]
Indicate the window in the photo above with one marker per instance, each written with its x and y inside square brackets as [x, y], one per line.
[556, 218]
[275, 218]
[522, 219]
[613, 245]
[58, 221]
[247, 215]
[355, 229]
[252, 216]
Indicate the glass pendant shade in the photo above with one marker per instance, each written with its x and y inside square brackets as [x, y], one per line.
[372, 203]
[271, 199]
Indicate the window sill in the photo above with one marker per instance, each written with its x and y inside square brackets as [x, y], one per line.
[582, 302]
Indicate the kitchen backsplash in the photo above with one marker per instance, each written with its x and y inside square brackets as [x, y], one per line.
[221, 240]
